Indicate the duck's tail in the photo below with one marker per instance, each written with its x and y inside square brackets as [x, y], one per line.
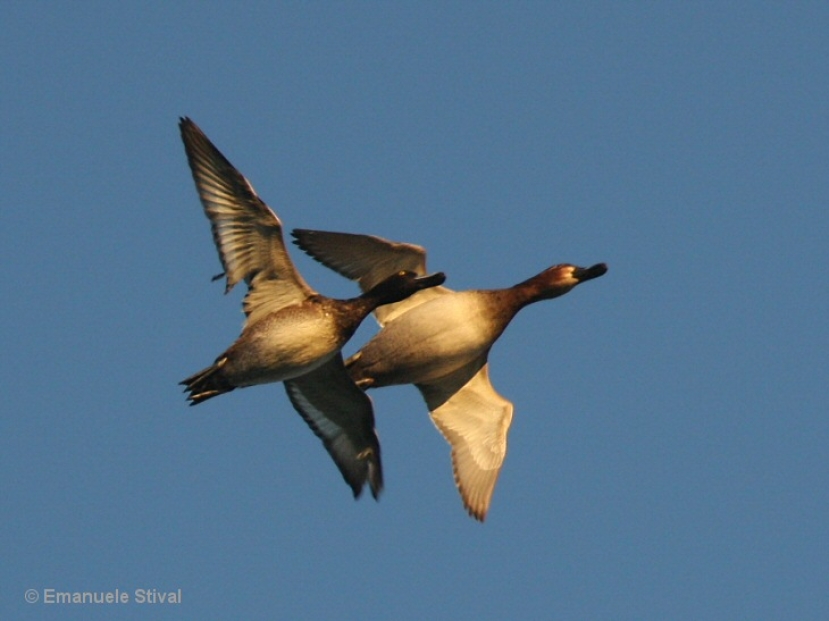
[207, 383]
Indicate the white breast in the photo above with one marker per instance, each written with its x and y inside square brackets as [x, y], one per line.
[430, 340]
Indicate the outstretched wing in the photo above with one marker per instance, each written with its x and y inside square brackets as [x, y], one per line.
[475, 420]
[368, 260]
[247, 233]
[341, 415]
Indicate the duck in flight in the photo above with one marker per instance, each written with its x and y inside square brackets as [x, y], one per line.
[292, 334]
[439, 340]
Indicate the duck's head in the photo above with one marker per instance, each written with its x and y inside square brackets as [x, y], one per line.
[401, 285]
[559, 279]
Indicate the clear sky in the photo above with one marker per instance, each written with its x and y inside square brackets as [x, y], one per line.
[668, 455]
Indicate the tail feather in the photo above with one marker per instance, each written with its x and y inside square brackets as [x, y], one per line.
[207, 383]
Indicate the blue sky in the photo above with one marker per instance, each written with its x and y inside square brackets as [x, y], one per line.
[668, 455]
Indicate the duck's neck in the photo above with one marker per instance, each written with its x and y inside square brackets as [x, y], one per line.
[508, 301]
[350, 313]
[369, 301]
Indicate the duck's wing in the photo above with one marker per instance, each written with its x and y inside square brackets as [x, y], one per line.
[247, 233]
[341, 415]
[475, 420]
[368, 260]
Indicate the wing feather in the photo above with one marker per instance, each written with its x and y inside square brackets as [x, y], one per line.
[369, 260]
[247, 233]
[475, 421]
[341, 415]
